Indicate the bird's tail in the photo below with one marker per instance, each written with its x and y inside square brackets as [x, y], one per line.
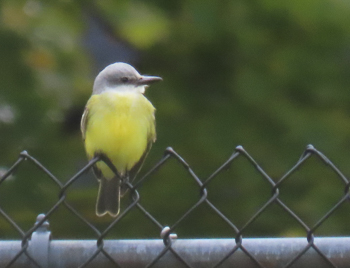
[108, 198]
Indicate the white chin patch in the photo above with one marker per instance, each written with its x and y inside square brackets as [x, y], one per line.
[142, 89]
[129, 88]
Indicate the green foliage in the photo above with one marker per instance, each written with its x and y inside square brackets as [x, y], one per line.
[269, 75]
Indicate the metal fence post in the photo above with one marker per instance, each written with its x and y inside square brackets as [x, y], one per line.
[39, 243]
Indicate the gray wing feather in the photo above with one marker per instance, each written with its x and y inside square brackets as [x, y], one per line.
[83, 122]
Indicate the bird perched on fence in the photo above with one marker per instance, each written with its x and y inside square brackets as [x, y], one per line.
[118, 125]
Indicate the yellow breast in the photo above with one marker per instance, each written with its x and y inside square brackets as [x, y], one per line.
[120, 125]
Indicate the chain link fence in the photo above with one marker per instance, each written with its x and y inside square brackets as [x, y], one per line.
[36, 249]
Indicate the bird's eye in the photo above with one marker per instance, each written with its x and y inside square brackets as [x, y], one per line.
[125, 79]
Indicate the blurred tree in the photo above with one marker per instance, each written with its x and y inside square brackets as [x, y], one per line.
[270, 75]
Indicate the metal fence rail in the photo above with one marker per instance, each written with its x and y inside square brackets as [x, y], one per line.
[201, 253]
[37, 250]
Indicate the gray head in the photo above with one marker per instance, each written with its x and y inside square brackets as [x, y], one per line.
[121, 76]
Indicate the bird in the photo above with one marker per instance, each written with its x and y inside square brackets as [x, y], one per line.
[118, 125]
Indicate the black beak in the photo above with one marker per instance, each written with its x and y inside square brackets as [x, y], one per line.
[147, 79]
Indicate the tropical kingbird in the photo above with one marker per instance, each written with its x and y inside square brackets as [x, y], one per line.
[118, 125]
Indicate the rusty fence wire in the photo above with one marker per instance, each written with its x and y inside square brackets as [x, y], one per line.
[36, 249]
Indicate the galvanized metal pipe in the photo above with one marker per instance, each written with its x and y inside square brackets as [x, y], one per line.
[270, 252]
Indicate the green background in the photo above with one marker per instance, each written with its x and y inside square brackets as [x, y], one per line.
[272, 76]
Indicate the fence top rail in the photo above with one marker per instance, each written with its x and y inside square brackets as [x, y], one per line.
[270, 252]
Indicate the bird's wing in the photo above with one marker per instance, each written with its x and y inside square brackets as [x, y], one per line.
[151, 138]
[136, 168]
[83, 122]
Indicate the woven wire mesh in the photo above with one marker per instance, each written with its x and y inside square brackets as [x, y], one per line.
[203, 199]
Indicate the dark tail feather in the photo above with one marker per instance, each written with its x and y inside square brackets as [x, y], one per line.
[108, 198]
